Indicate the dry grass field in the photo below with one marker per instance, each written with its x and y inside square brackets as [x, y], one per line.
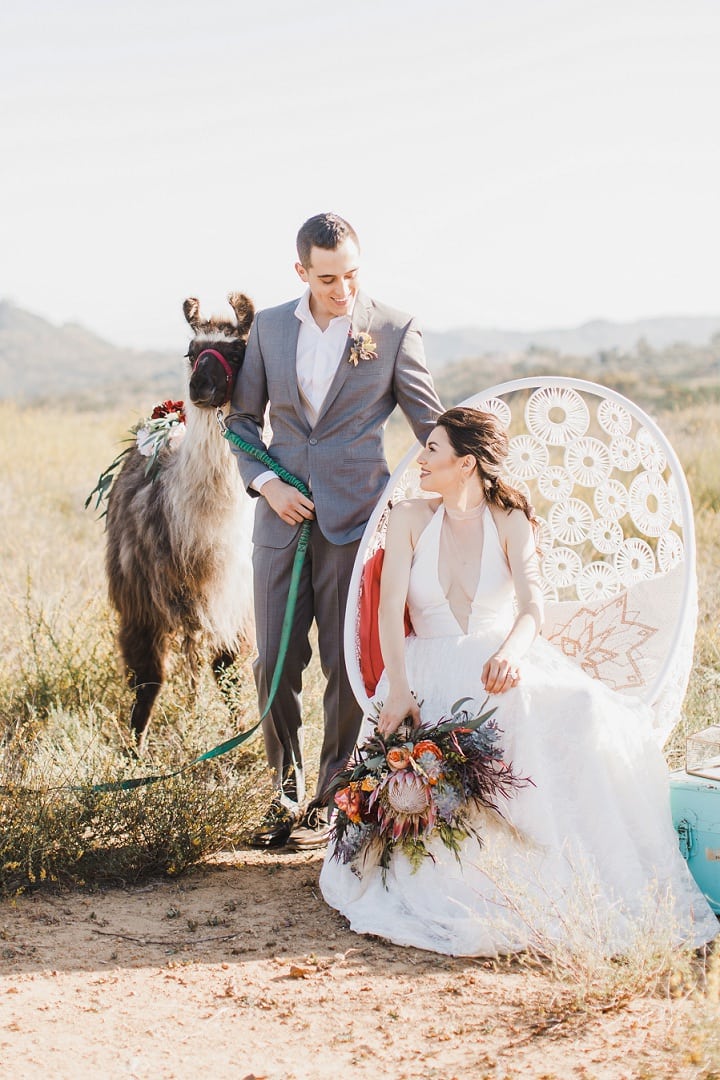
[117, 956]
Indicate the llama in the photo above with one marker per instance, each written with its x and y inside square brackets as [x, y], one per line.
[178, 545]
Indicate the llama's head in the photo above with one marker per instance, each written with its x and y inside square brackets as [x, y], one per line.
[217, 350]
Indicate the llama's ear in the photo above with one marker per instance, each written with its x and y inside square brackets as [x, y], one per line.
[244, 310]
[191, 307]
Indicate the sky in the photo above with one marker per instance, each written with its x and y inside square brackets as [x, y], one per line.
[510, 163]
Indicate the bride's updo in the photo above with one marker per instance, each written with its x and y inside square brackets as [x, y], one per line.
[481, 435]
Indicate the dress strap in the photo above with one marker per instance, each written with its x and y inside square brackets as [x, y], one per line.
[432, 529]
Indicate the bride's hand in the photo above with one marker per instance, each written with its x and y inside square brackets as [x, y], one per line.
[398, 707]
[499, 674]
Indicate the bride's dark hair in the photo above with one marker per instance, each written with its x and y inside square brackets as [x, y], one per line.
[481, 435]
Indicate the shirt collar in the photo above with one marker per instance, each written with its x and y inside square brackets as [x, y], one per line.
[304, 314]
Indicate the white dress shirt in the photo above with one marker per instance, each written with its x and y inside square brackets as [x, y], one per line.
[317, 359]
[318, 355]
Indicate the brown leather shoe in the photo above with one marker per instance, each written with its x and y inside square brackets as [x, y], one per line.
[275, 828]
[313, 831]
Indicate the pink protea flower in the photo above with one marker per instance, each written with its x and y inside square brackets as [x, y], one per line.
[407, 793]
[404, 805]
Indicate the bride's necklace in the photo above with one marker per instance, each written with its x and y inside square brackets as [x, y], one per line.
[464, 534]
[455, 514]
[459, 561]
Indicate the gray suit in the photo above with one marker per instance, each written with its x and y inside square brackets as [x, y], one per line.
[342, 460]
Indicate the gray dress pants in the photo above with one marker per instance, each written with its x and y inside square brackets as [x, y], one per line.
[322, 596]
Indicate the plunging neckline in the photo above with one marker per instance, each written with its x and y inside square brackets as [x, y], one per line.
[463, 630]
[488, 605]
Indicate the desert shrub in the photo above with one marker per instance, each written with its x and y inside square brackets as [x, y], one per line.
[565, 946]
[65, 658]
[73, 833]
[64, 711]
[700, 1037]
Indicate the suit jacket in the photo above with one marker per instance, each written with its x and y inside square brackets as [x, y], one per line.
[341, 457]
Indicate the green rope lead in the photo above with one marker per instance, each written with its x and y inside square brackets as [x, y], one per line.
[264, 457]
[300, 552]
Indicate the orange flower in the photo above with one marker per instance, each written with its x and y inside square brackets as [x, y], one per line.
[349, 800]
[398, 757]
[428, 757]
[427, 747]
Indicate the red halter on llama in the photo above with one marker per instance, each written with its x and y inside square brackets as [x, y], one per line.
[178, 534]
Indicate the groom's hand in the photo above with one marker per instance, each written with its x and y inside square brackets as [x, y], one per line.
[287, 502]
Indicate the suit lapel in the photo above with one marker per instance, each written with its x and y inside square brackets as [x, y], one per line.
[360, 321]
[288, 353]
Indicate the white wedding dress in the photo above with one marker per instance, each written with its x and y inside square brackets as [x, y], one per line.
[585, 856]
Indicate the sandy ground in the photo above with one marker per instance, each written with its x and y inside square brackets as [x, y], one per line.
[240, 970]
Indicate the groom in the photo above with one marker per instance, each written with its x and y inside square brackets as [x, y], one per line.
[332, 367]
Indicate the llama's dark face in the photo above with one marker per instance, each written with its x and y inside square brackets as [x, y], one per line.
[217, 351]
[215, 361]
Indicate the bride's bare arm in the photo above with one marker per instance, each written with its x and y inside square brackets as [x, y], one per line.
[501, 672]
[391, 617]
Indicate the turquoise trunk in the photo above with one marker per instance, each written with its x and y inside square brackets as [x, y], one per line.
[695, 805]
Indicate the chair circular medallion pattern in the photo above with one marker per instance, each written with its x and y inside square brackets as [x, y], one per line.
[610, 496]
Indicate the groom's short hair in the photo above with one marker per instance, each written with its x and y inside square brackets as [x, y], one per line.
[324, 231]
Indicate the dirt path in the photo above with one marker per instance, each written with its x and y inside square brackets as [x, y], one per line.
[240, 970]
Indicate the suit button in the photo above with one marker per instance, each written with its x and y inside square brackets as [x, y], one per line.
[313, 442]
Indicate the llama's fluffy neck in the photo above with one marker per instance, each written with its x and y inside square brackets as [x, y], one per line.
[207, 474]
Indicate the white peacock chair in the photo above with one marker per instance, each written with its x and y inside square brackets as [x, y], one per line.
[616, 538]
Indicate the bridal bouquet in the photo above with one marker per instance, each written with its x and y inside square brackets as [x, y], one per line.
[399, 792]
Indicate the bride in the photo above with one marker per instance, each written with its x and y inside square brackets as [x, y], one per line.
[587, 851]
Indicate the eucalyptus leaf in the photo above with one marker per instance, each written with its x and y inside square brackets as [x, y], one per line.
[374, 762]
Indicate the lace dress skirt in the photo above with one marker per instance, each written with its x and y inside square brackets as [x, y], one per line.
[585, 855]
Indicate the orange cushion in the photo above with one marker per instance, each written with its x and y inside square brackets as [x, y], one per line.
[371, 661]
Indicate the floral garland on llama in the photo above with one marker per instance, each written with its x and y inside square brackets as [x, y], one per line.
[164, 426]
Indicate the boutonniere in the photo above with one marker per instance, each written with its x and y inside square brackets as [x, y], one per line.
[362, 347]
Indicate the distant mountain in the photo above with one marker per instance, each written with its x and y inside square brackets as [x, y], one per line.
[591, 338]
[40, 361]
